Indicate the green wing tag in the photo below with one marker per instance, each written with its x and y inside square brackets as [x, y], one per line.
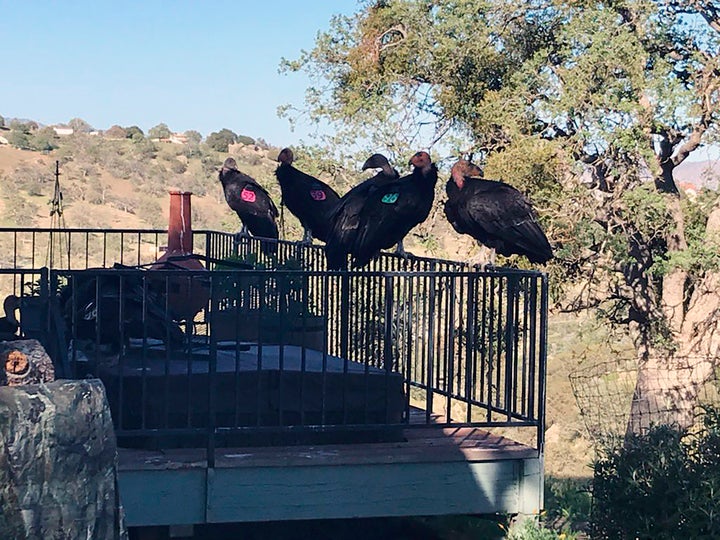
[390, 198]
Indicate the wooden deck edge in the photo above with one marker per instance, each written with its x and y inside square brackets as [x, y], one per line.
[222, 495]
[464, 445]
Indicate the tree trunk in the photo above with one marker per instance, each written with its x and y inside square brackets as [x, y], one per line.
[669, 381]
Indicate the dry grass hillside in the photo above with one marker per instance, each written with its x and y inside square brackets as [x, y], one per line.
[124, 184]
[120, 183]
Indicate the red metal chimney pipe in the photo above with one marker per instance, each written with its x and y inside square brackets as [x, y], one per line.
[180, 237]
[186, 297]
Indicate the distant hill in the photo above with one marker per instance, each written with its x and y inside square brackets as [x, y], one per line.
[698, 173]
[120, 183]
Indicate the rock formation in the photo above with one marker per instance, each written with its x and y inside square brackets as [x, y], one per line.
[58, 463]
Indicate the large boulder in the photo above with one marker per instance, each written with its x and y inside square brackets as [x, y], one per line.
[58, 463]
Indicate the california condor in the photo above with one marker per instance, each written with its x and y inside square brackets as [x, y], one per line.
[378, 215]
[494, 213]
[308, 199]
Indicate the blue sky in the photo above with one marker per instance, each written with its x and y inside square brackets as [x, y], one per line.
[190, 64]
[202, 65]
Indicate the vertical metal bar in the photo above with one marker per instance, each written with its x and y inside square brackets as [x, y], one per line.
[144, 359]
[51, 250]
[431, 356]
[491, 365]
[209, 244]
[543, 362]
[457, 336]
[328, 280]
[409, 357]
[304, 302]
[211, 403]
[388, 338]
[15, 252]
[526, 284]
[122, 248]
[500, 335]
[282, 309]
[470, 344]
[533, 361]
[260, 384]
[69, 250]
[344, 313]
[33, 245]
[450, 348]
[512, 291]
[439, 371]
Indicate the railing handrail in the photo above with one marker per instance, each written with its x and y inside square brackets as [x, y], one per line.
[441, 325]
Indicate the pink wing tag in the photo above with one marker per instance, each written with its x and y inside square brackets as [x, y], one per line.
[317, 194]
[247, 195]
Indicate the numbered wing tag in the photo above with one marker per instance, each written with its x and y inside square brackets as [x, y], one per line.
[318, 194]
[248, 195]
[390, 198]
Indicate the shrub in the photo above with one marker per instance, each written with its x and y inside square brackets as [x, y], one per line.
[220, 140]
[244, 139]
[661, 485]
[529, 529]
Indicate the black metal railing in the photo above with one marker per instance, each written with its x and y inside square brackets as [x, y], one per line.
[79, 249]
[286, 349]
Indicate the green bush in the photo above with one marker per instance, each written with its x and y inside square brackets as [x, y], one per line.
[661, 485]
[530, 529]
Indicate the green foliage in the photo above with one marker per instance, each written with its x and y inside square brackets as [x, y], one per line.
[567, 504]
[134, 133]
[220, 140]
[161, 131]
[529, 529]
[44, 140]
[582, 105]
[115, 132]
[19, 138]
[661, 485]
[244, 139]
[193, 137]
[80, 126]
[18, 211]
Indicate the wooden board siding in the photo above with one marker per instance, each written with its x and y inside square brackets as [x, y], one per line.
[435, 471]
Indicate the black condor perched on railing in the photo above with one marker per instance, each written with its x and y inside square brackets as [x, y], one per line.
[280, 348]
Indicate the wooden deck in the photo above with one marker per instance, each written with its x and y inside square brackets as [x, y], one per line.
[434, 471]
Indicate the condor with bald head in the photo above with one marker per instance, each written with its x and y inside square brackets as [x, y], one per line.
[383, 213]
[494, 213]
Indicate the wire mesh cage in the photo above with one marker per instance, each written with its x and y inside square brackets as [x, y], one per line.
[605, 393]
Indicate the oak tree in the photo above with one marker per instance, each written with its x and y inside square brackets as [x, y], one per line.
[588, 106]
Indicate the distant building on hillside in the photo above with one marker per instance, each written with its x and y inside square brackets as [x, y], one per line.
[63, 131]
[178, 138]
[175, 138]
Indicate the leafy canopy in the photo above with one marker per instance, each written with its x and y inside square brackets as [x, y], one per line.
[586, 105]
